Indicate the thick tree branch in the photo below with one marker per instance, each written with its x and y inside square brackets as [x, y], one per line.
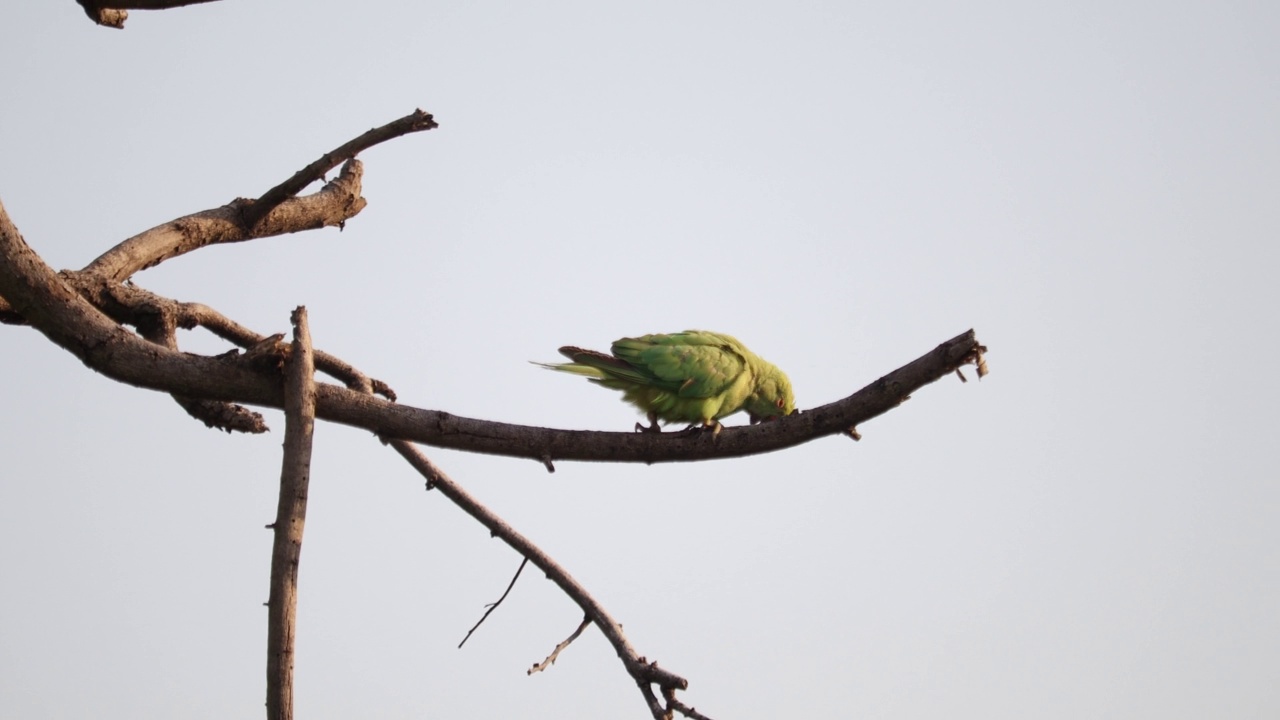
[291, 515]
[83, 312]
[70, 321]
[644, 673]
[441, 429]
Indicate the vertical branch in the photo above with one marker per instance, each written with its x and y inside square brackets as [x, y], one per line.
[295, 474]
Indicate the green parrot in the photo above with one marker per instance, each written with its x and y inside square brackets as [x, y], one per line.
[695, 376]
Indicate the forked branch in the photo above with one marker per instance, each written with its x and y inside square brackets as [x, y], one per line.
[416, 121]
[646, 674]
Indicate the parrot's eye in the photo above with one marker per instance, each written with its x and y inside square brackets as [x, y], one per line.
[780, 403]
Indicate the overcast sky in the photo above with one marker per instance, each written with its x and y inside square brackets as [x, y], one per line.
[1090, 531]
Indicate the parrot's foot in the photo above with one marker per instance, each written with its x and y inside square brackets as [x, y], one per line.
[652, 427]
[713, 427]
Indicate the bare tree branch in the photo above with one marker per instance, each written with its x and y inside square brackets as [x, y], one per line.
[644, 673]
[277, 212]
[442, 429]
[291, 515]
[84, 312]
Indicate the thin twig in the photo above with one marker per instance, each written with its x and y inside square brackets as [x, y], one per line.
[494, 605]
[551, 659]
[291, 515]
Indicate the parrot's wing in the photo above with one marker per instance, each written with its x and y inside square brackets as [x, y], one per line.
[692, 364]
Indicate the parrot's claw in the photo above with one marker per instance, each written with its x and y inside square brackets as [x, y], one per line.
[652, 427]
[698, 428]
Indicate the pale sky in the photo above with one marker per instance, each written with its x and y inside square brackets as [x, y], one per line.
[1090, 531]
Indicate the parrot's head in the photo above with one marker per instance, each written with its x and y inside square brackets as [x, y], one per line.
[772, 397]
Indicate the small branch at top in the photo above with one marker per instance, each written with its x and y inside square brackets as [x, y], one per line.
[416, 121]
[338, 201]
